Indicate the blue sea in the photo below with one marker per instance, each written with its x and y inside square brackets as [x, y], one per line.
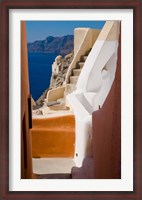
[40, 70]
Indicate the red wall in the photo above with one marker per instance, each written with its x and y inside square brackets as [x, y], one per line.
[26, 154]
[107, 132]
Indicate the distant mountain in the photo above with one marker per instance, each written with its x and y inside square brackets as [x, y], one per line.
[57, 45]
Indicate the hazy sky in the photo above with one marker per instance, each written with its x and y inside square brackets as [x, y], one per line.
[39, 30]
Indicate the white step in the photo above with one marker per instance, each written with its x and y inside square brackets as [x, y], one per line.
[73, 79]
[76, 72]
[84, 58]
[87, 52]
[52, 165]
[81, 64]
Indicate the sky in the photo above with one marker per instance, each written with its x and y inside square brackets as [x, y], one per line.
[39, 30]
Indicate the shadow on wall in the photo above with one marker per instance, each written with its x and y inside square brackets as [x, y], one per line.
[107, 131]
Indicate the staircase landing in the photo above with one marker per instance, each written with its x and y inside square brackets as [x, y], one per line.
[53, 167]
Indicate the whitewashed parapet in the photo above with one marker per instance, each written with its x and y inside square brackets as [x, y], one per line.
[55, 94]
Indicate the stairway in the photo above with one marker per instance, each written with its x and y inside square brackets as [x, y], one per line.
[71, 86]
[53, 137]
[53, 150]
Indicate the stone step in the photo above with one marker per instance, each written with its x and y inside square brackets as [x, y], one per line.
[81, 64]
[52, 103]
[84, 58]
[52, 166]
[76, 72]
[87, 52]
[73, 79]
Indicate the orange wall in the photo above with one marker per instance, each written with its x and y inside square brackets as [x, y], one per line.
[26, 157]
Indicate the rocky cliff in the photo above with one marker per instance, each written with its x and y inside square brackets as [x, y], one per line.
[59, 70]
[55, 45]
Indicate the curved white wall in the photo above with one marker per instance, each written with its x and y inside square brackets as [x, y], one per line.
[99, 70]
[93, 86]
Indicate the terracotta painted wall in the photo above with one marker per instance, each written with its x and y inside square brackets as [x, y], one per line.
[107, 132]
[26, 156]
